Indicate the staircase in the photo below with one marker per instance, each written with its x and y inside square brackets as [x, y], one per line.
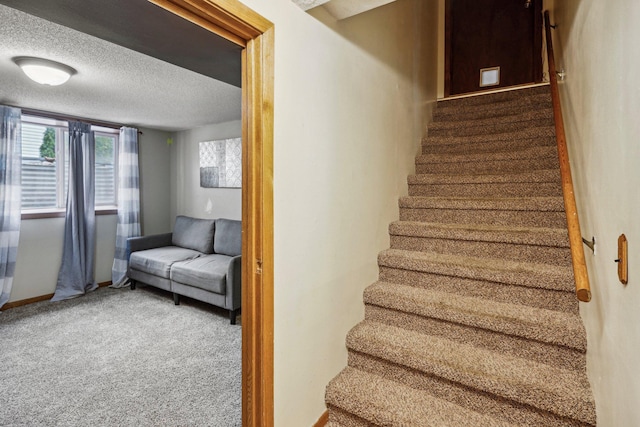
[474, 319]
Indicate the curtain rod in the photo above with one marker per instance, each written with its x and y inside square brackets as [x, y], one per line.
[66, 117]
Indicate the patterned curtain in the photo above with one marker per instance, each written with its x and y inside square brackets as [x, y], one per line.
[128, 204]
[76, 275]
[10, 194]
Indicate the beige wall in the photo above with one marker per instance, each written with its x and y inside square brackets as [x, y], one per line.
[188, 198]
[597, 44]
[351, 102]
[40, 246]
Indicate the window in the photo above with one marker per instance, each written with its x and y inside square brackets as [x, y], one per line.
[45, 164]
[106, 182]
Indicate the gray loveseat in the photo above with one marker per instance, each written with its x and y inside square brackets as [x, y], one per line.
[200, 259]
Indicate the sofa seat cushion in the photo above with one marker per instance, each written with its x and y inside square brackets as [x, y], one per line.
[208, 272]
[158, 261]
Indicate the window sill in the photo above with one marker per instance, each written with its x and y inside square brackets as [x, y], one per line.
[60, 213]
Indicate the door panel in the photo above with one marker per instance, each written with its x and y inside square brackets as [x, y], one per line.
[484, 34]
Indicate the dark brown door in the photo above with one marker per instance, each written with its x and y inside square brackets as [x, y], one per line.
[492, 44]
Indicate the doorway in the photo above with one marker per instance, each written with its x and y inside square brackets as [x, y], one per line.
[251, 36]
[237, 23]
[492, 44]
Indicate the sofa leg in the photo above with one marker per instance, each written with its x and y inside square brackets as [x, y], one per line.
[132, 285]
[232, 316]
[176, 299]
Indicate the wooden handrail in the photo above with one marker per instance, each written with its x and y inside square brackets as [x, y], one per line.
[583, 291]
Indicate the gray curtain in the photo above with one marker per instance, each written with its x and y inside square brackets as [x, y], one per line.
[128, 204]
[10, 193]
[76, 275]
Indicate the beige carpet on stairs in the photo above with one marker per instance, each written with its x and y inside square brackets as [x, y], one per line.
[474, 319]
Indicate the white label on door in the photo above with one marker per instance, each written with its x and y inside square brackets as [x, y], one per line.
[489, 76]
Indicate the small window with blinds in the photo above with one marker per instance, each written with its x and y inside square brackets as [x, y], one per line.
[45, 165]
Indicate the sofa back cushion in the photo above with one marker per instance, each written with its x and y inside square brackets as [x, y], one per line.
[228, 238]
[194, 233]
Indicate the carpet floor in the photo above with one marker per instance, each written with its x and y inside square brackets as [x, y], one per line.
[473, 320]
[119, 357]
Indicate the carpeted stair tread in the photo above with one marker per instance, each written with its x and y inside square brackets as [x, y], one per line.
[546, 326]
[486, 147]
[513, 117]
[487, 189]
[342, 418]
[481, 288]
[560, 391]
[492, 98]
[540, 183]
[501, 211]
[496, 270]
[536, 236]
[444, 111]
[552, 204]
[531, 152]
[546, 131]
[528, 126]
[542, 175]
[488, 167]
[531, 158]
[389, 403]
[542, 245]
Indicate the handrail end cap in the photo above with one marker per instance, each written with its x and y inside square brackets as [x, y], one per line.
[584, 295]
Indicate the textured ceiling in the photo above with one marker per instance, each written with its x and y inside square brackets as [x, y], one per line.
[160, 34]
[113, 83]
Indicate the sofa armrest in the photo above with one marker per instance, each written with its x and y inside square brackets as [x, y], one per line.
[149, 242]
[234, 283]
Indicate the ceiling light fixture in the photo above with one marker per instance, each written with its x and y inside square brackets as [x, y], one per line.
[44, 71]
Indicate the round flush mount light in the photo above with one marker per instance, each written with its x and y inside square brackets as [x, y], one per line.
[44, 71]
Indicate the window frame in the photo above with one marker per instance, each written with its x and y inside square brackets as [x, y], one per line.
[62, 126]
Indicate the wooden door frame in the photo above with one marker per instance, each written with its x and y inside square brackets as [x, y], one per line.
[239, 24]
[537, 43]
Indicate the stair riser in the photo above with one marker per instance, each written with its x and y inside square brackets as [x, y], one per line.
[489, 129]
[490, 217]
[515, 118]
[476, 400]
[526, 189]
[461, 331]
[488, 167]
[515, 252]
[499, 292]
